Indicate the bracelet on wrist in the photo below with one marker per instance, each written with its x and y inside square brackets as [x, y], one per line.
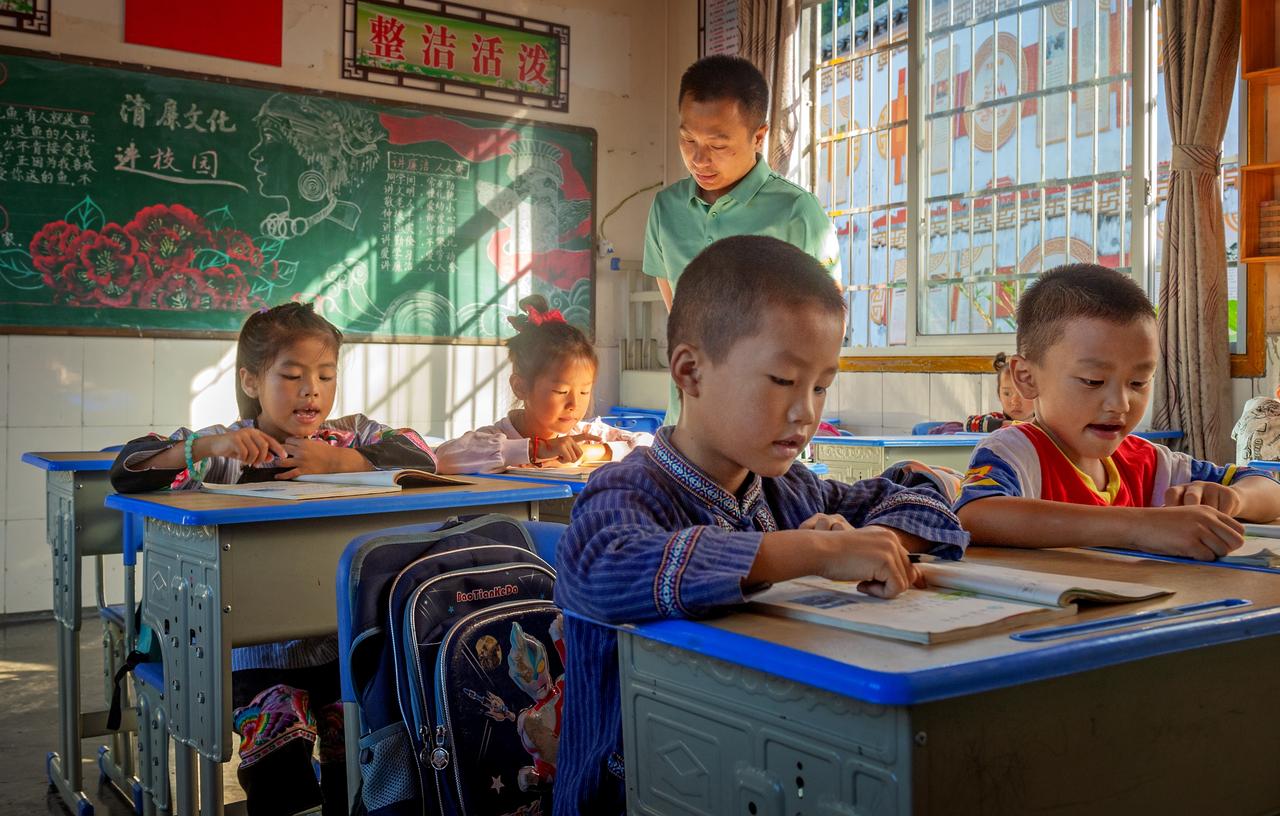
[194, 472]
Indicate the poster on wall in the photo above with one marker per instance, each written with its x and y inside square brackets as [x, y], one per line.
[27, 16]
[459, 50]
[719, 29]
[248, 30]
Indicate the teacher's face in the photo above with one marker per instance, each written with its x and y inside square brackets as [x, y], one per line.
[717, 144]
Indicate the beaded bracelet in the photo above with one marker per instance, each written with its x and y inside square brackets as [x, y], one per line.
[194, 473]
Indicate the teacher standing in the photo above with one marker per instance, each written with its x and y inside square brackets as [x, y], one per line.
[730, 190]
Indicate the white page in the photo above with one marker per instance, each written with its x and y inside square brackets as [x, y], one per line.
[296, 491]
[1030, 586]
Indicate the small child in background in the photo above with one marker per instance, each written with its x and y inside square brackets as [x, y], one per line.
[553, 370]
[1257, 433]
[1013, 408]
[286, 695]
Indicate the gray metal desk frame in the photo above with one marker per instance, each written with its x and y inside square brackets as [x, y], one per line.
[224, 570]
[77, 526]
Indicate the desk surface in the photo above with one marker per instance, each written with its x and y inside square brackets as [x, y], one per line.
[1259, 463]
[198, 508]
[71, 460]
[879, 670]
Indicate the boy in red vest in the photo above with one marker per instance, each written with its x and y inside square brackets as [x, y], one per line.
[1087, 353]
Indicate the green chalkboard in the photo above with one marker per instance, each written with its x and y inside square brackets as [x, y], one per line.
[139, 202]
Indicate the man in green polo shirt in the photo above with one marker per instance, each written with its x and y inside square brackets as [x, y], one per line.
[730, 190]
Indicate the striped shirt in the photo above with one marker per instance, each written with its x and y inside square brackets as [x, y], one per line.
[655, 537]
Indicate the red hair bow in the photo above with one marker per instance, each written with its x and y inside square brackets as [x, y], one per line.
[537, 318]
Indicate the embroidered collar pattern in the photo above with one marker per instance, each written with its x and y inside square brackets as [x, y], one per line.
[729, 511]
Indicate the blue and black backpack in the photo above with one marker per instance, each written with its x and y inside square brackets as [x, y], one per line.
[456, 666]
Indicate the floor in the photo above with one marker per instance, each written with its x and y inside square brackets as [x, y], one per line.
[29, 721]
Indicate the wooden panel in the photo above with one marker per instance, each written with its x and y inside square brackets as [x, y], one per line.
[919, 364]
[1257, 36]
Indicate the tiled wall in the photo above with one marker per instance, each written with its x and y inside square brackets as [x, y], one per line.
[68, 393]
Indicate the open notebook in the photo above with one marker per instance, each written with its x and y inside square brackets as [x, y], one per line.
[1257, 551]
[334, 485]
[963, 600]
[573, 473]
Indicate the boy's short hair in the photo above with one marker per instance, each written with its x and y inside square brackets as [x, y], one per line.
[1073, 292]
[725, 77]
[724, 291]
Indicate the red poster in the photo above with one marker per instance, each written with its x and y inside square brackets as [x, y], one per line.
[248, 30]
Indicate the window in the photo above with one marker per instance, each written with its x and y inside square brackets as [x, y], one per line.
[1026, 160]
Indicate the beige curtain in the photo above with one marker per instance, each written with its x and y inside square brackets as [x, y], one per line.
[1201, 45]
[767, 31]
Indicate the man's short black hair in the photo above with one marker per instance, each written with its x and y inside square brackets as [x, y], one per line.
[725, 291]
[1073, 292]
[725, 77]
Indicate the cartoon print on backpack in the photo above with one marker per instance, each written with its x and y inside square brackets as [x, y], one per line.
[538, 724]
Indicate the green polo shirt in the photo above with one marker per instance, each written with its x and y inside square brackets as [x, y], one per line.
[681, 225]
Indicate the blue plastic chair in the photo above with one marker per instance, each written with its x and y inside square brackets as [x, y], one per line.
[545, 536]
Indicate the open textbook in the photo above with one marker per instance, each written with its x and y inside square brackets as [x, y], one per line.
[964, 600]
[334, 485]
[573, 473]
[1257, 551]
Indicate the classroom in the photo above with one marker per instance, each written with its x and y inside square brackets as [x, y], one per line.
[419, 406]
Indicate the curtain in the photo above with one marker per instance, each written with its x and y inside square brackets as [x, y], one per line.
[767, 31]
[1201, 46]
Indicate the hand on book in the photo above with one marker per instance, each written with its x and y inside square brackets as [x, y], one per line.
[1197, 531]
[1210, 494]
[564, 450]
[248, 445]
[873, 556]
[826, 521]
[307, 456]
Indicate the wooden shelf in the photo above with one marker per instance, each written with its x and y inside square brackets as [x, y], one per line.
[1261, 259]
[1267, 76]
[1269, 167]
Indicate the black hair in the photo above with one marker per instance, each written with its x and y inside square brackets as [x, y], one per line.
[724, 77]
[266, 333]
[540, 343]
[725, 291]
[1072, 292]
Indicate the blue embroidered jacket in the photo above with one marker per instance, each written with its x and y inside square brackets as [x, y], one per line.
[652, 537]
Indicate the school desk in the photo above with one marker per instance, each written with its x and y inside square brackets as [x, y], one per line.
[851, 458]
[222, 571]
[77, 526]
[749, 713]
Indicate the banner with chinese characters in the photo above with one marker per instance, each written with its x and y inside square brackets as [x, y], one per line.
[457, 49]
[144, 203]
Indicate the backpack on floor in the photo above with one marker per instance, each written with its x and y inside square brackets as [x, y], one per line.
[457, 667]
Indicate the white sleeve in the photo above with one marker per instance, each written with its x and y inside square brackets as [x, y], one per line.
[484, 450]
[619, 442]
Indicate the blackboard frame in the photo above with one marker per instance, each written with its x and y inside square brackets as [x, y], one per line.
[8, 329]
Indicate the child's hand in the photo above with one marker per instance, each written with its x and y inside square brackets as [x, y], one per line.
[1195, 531]
[306, 456]
[248, 445]
[1210, 494]
[826, 521]
[566, 450]
[874, 557]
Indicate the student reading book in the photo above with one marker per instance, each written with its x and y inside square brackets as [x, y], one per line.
[718, 507]
[285, 694]
[1087, 354]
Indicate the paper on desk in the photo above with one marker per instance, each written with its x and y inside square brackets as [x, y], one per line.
[1030, 586]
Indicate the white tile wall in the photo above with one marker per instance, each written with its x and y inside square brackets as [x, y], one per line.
[27, 566]
[905, 398]
[952, 397]
[48, 378]
[24, 493]
[119, 381]
[860, 407]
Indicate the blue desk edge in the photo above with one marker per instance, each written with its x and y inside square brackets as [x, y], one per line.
[140, 505]
[67, 464]
[1055, 659]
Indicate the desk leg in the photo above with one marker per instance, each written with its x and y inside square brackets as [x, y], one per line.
[210, 787]
[185, 771]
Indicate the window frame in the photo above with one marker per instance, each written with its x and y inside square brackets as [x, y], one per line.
[971, 353]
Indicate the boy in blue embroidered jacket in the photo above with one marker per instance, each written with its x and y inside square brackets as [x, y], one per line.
[716, 509]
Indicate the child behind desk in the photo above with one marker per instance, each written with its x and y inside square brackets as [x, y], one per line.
[286, 694]
[553, 369]
[1087, 354]
[718, 508]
